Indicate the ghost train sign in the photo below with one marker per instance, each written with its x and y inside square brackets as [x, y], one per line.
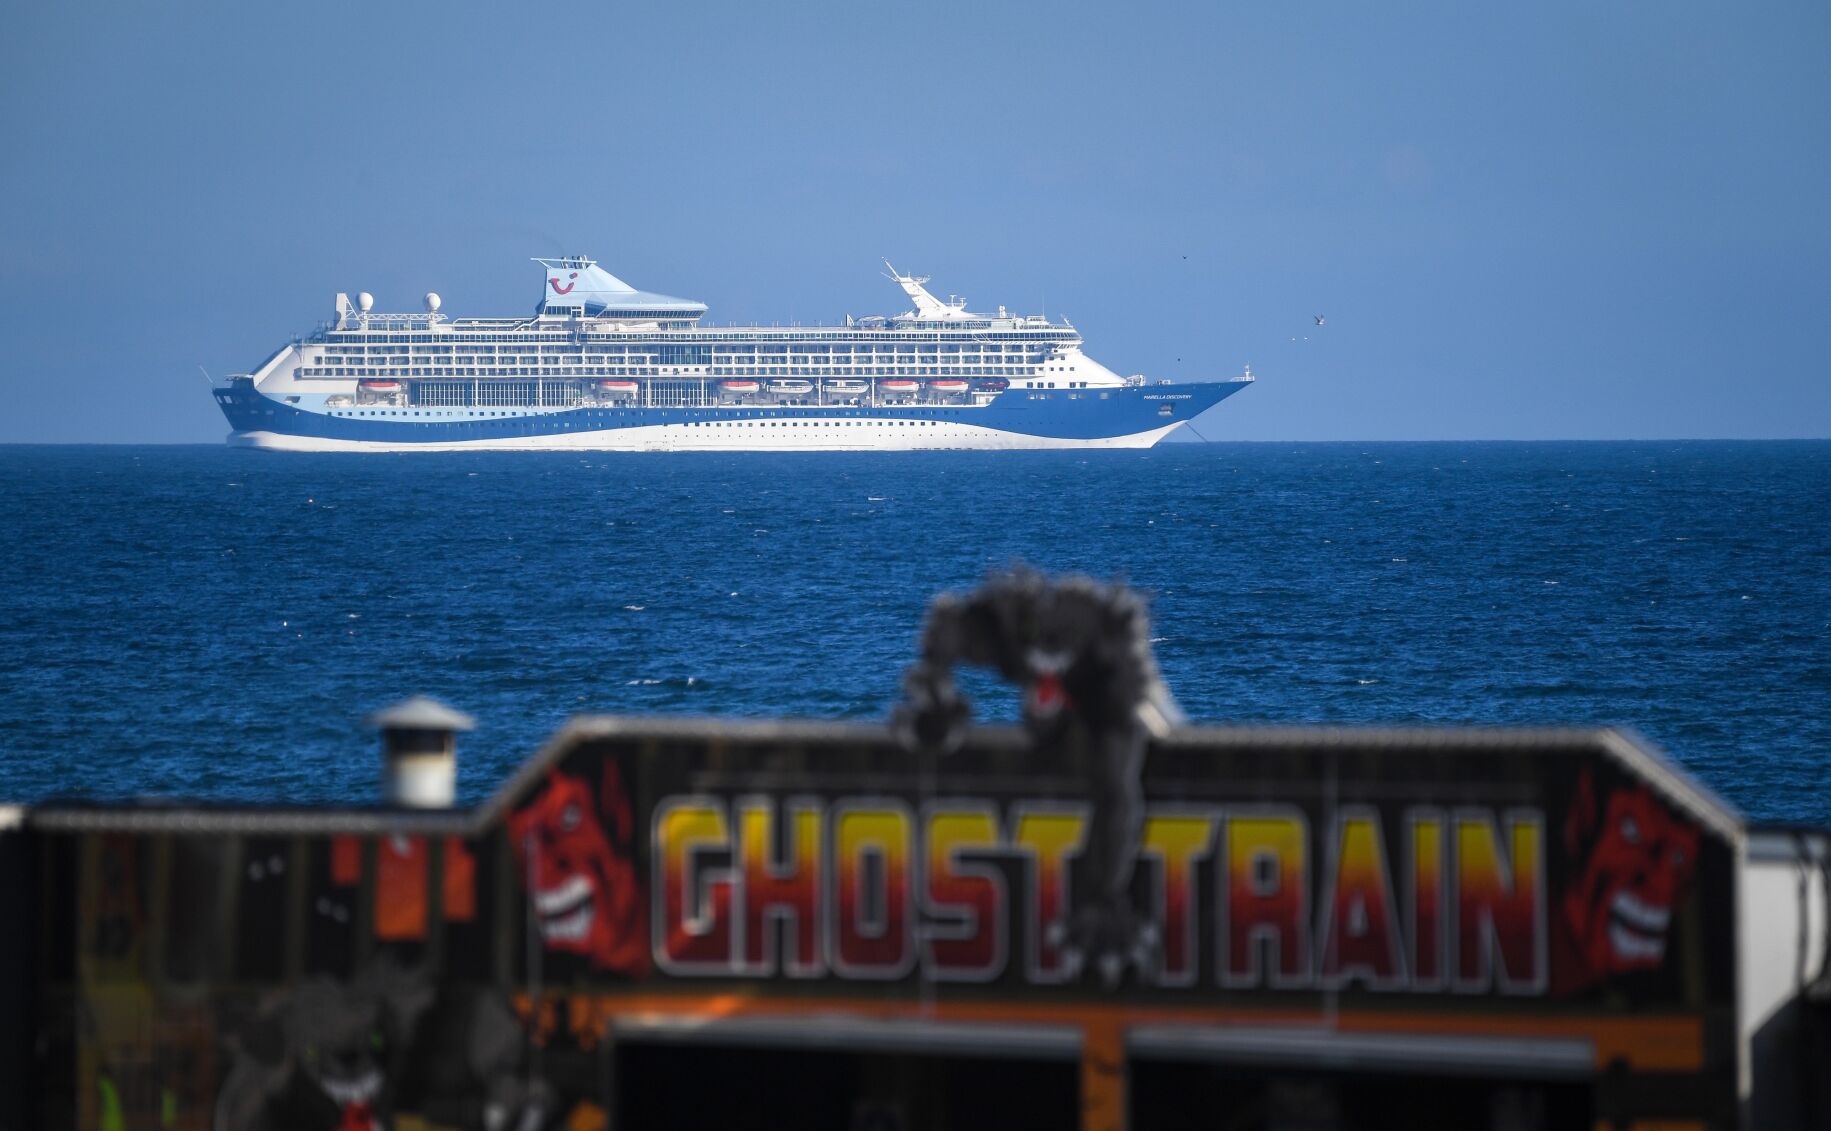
[1271, 865]
[1247, 896]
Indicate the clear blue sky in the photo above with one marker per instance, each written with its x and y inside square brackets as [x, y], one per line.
[1531, 221]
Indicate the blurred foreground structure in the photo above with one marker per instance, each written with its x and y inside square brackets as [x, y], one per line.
[721, 924]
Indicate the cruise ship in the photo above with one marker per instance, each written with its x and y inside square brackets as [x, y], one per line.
[603, 366]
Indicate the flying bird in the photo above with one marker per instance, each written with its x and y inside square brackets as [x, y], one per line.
[1319, 319]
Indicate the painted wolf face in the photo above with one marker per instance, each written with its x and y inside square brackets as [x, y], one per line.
[339, 1035]
[1639, 867]
[580, 873]
[325, 1055]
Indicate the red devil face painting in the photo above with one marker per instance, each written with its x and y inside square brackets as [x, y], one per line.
[1634, 863]
[574, 851]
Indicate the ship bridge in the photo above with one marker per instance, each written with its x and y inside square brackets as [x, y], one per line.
[930, 313]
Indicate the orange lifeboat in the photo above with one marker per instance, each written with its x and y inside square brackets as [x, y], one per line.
[383, 385]
[948, 387]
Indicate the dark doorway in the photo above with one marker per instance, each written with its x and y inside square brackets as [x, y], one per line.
[1175, 1097]
[710, 1088]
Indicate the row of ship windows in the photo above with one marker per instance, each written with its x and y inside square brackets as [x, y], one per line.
[671, 319]
[574, 346]
[669, 357]
[776, 365]
[629, 371]
[413, 412]
[868, 338]
[682, 357]
[595, 361]
[685, 353]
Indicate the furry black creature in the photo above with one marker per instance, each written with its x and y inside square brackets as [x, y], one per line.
[1080, 651]
[334, 1055]
[320, 1058]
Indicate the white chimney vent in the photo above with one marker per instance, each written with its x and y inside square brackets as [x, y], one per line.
[419, 749]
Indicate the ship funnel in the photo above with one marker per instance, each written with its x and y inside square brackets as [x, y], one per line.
[419, 750]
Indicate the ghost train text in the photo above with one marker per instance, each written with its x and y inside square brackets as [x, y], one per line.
[1255, 897]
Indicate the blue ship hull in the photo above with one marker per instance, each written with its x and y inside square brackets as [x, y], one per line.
[1135, 416]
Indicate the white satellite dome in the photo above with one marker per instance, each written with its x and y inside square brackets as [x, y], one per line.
[365, 302]
[432, 302]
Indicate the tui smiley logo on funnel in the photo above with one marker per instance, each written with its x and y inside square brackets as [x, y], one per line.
[571, 281]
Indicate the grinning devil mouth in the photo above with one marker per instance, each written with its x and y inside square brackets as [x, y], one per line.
[566, 910]
[361, 1088]
[1637, 929]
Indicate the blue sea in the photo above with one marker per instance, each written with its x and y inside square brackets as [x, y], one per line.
[204, 622]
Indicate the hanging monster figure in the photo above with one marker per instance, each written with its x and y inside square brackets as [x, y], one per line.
[1081, 653]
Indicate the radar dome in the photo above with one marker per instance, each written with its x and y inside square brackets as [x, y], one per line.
[432, 302]
[365, 302]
